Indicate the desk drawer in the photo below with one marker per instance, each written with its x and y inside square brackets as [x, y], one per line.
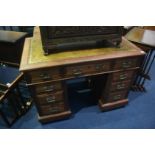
[84, 69]
[126, 63]
[44, 75]
[116, 86]
[50, 99]
[52, 109]
[121, 76]
[114, 96]
[47, 87]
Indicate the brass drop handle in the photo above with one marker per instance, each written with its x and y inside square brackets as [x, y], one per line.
[45, 76]
[126, 64]
[120, 86]
[55, 109]
[123, 76]
[51, 99]
[99, 66]
[48, 88]
[117, 97]
[77, 72]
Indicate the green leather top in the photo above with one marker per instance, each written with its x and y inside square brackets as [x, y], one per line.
[37, 56]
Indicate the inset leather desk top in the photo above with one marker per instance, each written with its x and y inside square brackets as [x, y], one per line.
[33, 57]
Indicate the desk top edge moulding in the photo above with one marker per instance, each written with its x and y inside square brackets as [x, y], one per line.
[33, 57]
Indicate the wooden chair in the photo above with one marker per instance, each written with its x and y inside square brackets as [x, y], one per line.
[12, 102]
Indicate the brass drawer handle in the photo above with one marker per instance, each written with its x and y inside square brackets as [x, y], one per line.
[77, 73]
[120, 86]
[51, 99]
[122, 76]
[55, 109]
[44, 76]
[126, 64]
[48, 88]
[99, 66]
[117, 97]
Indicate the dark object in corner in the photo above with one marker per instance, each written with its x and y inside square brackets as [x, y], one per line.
[144, 38]
[58, 38]
[11, 46]
[15, 100]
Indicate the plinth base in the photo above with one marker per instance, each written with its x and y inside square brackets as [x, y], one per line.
[112, 105]
[54, 117]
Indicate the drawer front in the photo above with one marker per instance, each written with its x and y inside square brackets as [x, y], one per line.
[121, 76]
[126, 63]
[48, 87]
[52, 109]
[44, 75]
[81, 70]
[50, 99]
[116, 86]
[114, 96]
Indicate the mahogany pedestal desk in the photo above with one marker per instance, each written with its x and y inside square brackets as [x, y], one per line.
[47, 75]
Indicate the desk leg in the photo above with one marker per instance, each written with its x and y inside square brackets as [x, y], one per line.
[104, 106]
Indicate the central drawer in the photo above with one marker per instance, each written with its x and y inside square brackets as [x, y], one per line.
[50, 99]
[86, 69]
